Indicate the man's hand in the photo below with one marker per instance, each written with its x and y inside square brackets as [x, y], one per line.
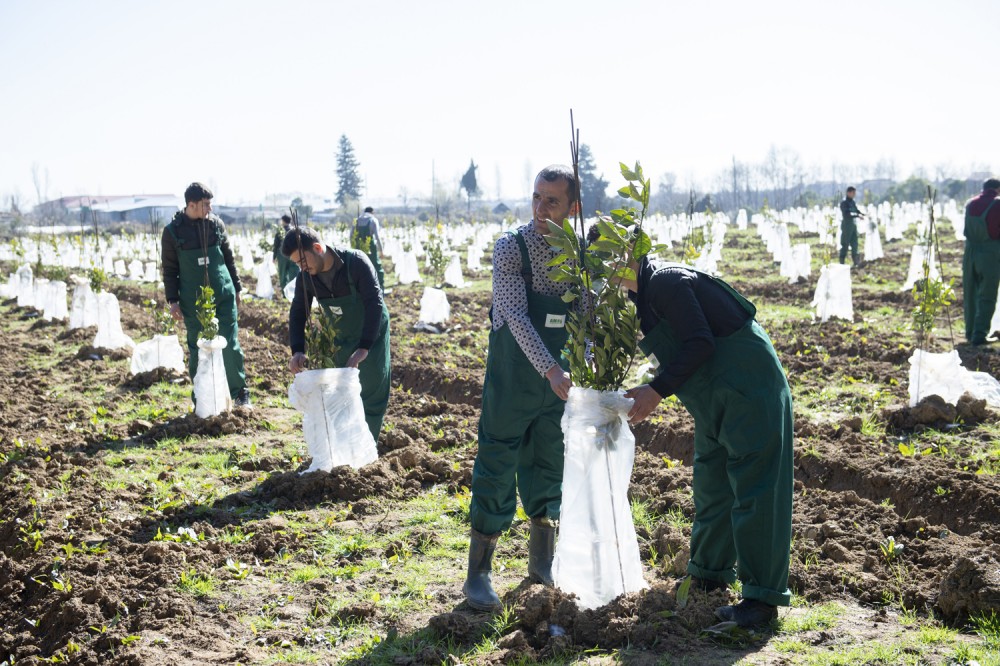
[356, 358]
[298, 363]
[175, 312]
[646, 399]
[559, 381]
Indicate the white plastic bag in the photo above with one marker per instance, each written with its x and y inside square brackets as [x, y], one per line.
[54, 302]
[163, 351]
[597, 555]
[407, 270]
[264, 287]
[943, 375]
[453, 274]
[333, 418]
[833, 293]
[211, 388]
[26, 289]
[434, 307]
[109, 324]
[83, 311]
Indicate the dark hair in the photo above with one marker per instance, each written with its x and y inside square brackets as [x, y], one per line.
[303, 237]
[852, 189]
[286, 219]
[991, 184]
[369, 209]
[554, 172]
[197, 192]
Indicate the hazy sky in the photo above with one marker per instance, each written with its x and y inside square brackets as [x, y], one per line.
[120, 97]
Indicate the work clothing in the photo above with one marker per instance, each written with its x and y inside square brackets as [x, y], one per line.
[742, 408]
[520, 436]
[350, 294]
[196, 253]
[287, 269]
[849, 230]
[366, 239]
[980, 269]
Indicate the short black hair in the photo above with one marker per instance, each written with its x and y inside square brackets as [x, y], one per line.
[197, 192]
[852, 189]
[554, 172]
[991, 184]
[286, 219]
[303, 237]
[369, 209]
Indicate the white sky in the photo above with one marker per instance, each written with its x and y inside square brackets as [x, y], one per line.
[120, 97]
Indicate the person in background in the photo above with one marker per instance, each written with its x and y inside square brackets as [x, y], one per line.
[287, 269]
[195, 252]
[707, 349]
[524, 394]
[344, 283]
[981, 262]
[849, 214]
[366, 239]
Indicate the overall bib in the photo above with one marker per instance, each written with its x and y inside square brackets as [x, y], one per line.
[980, 276]
[349, 313]
[196, 266]
[742, 409]
[364, 241]
[520, 432]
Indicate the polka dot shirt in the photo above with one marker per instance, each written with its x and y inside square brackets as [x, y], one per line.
[510, 300]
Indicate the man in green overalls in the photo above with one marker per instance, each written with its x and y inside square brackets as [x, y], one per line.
[287, 269]
[366, 238]
[981, 262]
[524, 394]
[195, 252]
[701, 336]
[344, 283]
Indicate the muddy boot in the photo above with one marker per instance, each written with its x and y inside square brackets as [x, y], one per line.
[749, 614]
[478, 588]
[541, 548]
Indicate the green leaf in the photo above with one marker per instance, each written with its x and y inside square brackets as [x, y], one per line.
[627, 173]
[558, 259]
[568, 297]
[625, 273]
[643, 244]
[623, 192]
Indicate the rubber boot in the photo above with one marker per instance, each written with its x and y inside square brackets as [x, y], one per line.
[478, 588]
[541, 548]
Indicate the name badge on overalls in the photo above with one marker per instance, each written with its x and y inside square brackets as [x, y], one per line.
[334, 310]
[555, 321]
[202, 261]
[655, 362]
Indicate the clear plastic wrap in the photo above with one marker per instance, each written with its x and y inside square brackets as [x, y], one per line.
[163, 351]
[211, 387]
[333, 418]
[833, 293]
[109, 324]
[597, 555]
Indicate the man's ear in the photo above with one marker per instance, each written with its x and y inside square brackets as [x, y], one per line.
[574, 208]
[318, 249]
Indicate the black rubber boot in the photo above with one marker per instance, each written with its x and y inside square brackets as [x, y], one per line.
[478, 588]
[749, 614]
[541, 548]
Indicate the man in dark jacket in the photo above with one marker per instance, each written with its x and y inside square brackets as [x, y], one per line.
[981, 262]
[708, 350]
[849, 227]
[366, 238]
[287, 269]
[195, 252]
[345, 284]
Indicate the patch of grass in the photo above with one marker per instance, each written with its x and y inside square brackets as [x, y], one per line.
[197, 584]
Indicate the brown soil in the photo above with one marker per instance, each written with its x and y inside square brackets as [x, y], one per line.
[852, 492]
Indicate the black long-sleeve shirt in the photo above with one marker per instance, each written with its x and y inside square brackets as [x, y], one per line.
[696, 308]
[334, 284]
[192, 235]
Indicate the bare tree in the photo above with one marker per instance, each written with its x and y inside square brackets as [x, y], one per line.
[40, 179]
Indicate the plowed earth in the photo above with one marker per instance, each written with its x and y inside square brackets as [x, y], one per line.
[83, 572]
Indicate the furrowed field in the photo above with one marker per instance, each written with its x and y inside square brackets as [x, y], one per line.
[133, 532]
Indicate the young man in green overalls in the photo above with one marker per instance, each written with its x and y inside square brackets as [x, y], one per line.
[345, 284]
[195, 252]
[366, 238]
[701, 336]
[981, 262]
[524, 394]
